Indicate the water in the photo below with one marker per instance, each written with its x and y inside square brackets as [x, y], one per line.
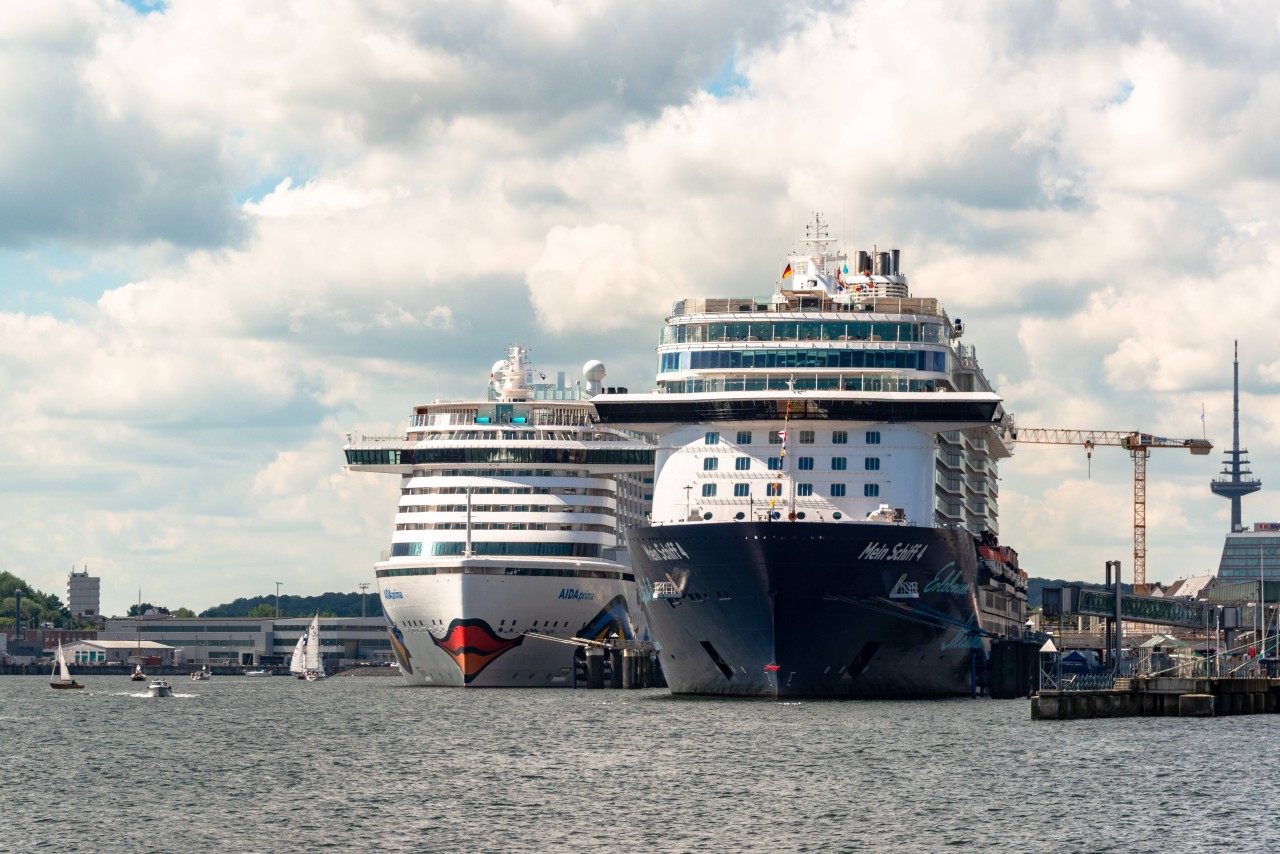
[360, 764]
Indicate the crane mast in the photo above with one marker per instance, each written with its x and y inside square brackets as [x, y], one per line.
[1139, 446]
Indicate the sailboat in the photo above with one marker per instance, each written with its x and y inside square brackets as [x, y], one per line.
[63, 675]
[298, 664]
[138, 675]
[313, 668]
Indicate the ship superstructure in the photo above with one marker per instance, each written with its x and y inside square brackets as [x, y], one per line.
[507, 531]
[825, 505]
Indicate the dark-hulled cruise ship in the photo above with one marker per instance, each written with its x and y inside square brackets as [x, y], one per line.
[824, 518]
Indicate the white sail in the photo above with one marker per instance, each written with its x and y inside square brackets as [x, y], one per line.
[315, 663]
[298, 663]
[63, 672]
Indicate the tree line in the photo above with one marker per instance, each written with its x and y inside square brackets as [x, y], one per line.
[40, 608]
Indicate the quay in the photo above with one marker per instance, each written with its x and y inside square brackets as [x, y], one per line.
[1162, 696]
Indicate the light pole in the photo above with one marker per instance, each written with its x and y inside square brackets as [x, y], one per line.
[364, 585]
[278, 583]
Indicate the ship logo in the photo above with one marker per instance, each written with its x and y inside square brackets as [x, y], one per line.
[905, 589]
[399, 648]
[614, 620]
[473, 646]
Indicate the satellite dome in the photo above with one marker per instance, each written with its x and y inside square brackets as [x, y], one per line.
[593, 371]
[498, 367]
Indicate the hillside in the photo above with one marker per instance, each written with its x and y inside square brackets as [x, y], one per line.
[328, 604]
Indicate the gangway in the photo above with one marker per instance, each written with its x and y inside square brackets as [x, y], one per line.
[1077, 600]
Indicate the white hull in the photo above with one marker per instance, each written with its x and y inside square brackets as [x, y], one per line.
[468, 629]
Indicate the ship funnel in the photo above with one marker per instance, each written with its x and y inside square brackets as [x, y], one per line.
[882, 264]
[894, 256]
[861, 262]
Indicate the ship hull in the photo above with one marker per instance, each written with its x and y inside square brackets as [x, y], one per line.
[469, 629]
[817, 609]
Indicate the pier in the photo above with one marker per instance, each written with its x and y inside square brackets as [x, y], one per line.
[1210, 681]
[1162, 696]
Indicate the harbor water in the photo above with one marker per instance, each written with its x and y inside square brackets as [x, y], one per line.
[366, 764]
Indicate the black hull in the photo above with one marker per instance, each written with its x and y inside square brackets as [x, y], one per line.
[812, 609]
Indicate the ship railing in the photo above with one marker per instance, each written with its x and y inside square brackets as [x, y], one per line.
[666, 590]
[808, 301]
[1055, 677]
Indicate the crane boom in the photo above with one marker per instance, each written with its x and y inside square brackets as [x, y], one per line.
[1139, 446]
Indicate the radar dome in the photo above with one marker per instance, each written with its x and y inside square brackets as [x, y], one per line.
[593, 371]
[498, 367]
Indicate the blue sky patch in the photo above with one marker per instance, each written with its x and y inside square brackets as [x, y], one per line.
[727, 80]
[146, 7]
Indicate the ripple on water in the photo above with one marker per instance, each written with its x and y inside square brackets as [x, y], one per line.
[282, 765]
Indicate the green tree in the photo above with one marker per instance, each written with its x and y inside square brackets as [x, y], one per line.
[263, 610]
[183, 612]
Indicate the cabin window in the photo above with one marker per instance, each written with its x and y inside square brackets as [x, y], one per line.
[873, 437]
[773, 489]
[713, 438]
[840, 437]
[804, 489]
[839, 463]
[742, 464]
[744, 437]
[837, 490]
[710, 464]
[741, 490]
[806, 437]
[871, 464]
[804, 463]
[871, 490]
[708, 490]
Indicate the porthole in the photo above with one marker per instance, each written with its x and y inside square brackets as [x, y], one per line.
[800, 515]
[837, 515]
[706, 515]
[740, 515]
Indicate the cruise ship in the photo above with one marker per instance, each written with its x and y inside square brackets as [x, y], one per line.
[824, 517]
[506, 553]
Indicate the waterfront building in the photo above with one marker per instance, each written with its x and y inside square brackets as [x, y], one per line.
[94, 651]
[244, 641]
[84, 594]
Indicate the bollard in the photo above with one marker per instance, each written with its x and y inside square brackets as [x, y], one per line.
[631, 668]
[595, 667]
[615, 668]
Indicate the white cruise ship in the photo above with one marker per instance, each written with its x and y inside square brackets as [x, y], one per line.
[825, 497]
[507, 535]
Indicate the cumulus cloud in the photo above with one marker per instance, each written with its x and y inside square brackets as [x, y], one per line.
[317, 219]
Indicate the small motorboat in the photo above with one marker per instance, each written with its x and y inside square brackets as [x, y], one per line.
[202, 675]
[160, 688]
[258, 671]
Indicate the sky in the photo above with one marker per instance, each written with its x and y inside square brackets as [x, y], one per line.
[232, 232]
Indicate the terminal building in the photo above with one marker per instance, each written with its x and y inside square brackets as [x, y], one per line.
[250, 641]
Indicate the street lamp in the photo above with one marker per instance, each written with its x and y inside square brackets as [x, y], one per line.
[278, 583]
[364, 585]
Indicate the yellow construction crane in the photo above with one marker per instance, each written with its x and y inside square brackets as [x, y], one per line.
[1139, 446]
